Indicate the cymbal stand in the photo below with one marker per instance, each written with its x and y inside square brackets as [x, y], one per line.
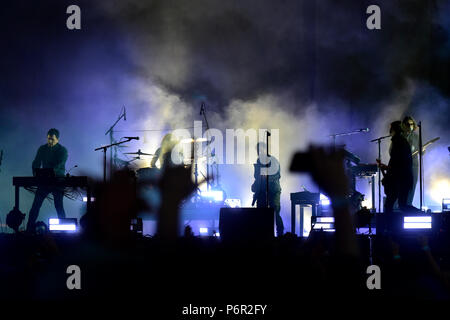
[111, 138]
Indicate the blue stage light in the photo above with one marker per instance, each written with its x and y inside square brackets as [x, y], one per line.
[323, 223]
[233, 203]
[213, 195]
[68, 224]
[417, 222]
[324, 201]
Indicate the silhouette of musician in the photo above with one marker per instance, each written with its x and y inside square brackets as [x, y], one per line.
[164, 153]
[52, 156]
[260, 183]
[398, 176]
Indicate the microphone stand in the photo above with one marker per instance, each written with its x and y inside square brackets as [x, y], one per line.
[195, 164]
[104, 148]
[267, 173]
[334, 135]
[111, 139]
[420, 164]
[378, 140]
[203, 113]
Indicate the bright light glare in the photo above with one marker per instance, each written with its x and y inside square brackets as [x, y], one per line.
[367, 203]
[324, 201]
[190, 140]
[417, 219]
[323, 226]
[53, 221]
[216, 195]
[325, 220]
[233, 203]
[415, 225]
[440, 189]
[62, 227]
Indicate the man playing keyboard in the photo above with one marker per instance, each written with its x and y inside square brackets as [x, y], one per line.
[50, 156]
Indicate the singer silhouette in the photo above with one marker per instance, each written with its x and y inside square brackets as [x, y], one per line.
[260, 184]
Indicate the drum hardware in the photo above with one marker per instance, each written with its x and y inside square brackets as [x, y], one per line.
[139, 153]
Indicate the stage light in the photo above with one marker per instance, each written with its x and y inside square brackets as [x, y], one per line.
[203, 231]
[67, 224]
[325, 219]
[323, 223]
[367, 203]
[217, 235]
[53, 221]
[212, 195]
[324, 201]
[417, 222]
[445, 205]
[233, 203]
[440, 189]
[85, 199]
[63, 227]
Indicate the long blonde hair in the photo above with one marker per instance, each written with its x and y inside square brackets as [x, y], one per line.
[406, 120]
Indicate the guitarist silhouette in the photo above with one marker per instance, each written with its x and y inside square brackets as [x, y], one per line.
[410, 126]
[398, 175]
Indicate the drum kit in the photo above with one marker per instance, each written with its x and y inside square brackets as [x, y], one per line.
[131, 164]
[151, 173]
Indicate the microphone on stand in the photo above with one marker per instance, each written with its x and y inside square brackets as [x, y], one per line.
[380, 138]
[124, 113]
[132, 138]
[202, 108]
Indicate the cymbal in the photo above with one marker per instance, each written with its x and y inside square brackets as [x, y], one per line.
[140, 153]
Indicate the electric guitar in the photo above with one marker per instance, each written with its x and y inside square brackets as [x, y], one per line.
[383, 169]
[426, 145]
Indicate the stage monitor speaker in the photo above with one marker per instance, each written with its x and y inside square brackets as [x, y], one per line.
[246, 224]
[406, 223]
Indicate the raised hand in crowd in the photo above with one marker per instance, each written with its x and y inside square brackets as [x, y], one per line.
[327, 170]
